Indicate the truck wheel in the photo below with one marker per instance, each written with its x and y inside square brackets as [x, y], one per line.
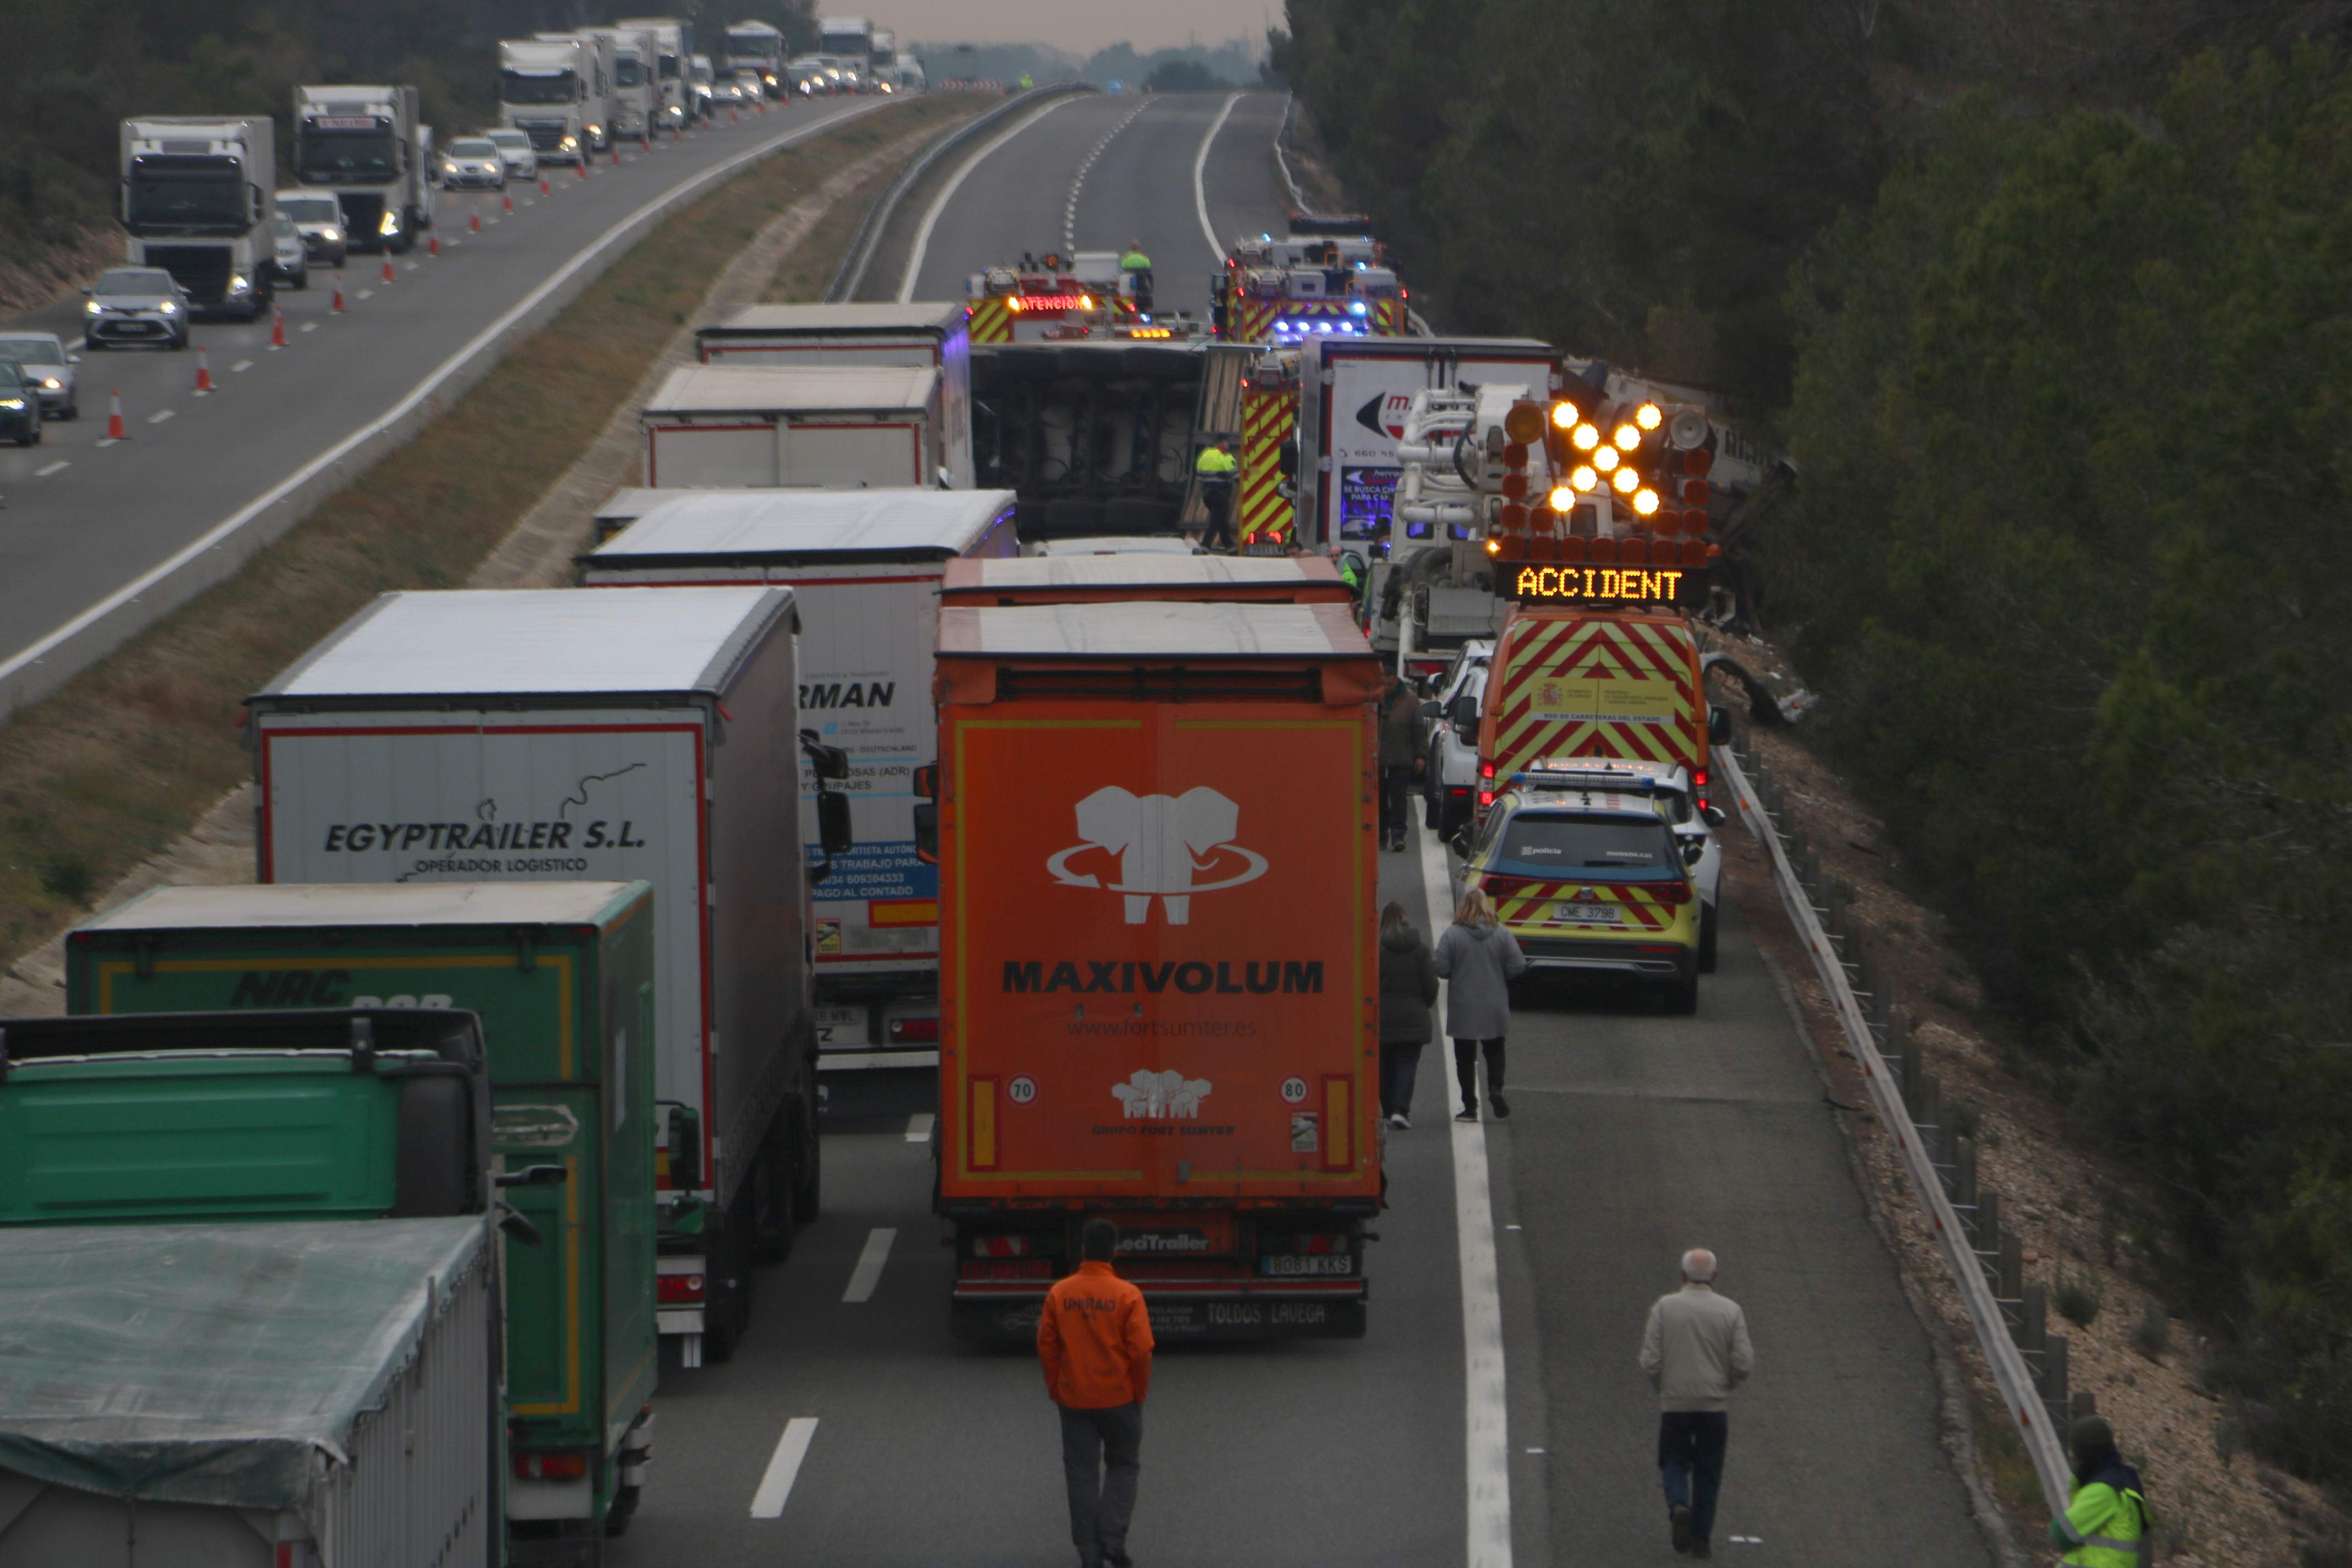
[774, 1185]
[430, 1177]
[1707, 925]
[809, 1176]
[1682, 996]
[624, 1505]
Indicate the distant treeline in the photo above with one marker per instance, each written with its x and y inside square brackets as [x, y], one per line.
[78, 68]
[2052, 307]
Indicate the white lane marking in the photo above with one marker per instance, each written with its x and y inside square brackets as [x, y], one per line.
[868, 1272]
[104, 442]
[783, 1467]
[678, 195]
[1487, 1448]
[243, 364]
[411, 265]
[53, 468]
[158, 418]
[947, 194]
[310, 326]
[1199, 167]
[919, 1127]
[365, 294]
[1070, 207]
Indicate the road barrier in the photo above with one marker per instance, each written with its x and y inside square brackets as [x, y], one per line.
[850, 276]
[2010, 1317]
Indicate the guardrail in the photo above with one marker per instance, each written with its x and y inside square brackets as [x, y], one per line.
[2010, 1317]
[849, 276]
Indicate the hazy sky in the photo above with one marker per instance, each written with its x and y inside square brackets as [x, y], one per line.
[1077, 27]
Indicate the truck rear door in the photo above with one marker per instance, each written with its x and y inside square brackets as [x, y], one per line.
[1590, 685]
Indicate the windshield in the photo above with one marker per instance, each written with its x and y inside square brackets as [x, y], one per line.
[203, 198]
[513, 139]
[538, 87]
[33, 351]
[1565, 846]
[702, 72]
[842, 44]
[477, 147]
[283, 226]
[628, 71]
[670, 68]
[371, 156]
[310, 209]
[134, 280]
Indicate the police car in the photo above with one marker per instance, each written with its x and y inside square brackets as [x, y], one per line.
[1609, 867]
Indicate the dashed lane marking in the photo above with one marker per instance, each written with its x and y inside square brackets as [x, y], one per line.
[243, 364]
[919, 1127]
[158, 418]
[868, 1272]
[947, 194]
[783, 1467]
[364, 294]
[43, 473]
[310, 326]
[104, 442]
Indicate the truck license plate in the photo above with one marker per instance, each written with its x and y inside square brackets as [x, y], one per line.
[1586, 915]
[1298, 1263]
[837, 1027]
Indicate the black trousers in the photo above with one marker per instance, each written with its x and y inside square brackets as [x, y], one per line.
[1396, 785]
[1400, 1065]
[1101, 1461]
[1217, 495]
[1466, 1068]
[1690, 1462]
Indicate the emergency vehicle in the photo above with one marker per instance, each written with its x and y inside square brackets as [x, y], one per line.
[1050, 297]
[1285, 291]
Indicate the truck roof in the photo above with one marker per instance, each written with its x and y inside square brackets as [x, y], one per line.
[532, 642]
[784, 525]
[212, 1363]
[373, 904]
[1152, 630]
[945, 317]
[1133, 569]
[817, 389]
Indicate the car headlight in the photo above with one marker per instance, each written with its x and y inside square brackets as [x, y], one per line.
[570, 142]
[11, 403]
[332, 235]
[92, 308]
[51, 383]
[172, 307]
[238, 283]
[391, 224]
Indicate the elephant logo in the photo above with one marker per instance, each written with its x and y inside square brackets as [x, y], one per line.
[1165, 845]
[1162, 1096]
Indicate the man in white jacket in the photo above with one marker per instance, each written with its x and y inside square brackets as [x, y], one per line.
[1695, 1350]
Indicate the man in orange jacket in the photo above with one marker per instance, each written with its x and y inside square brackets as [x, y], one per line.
[1094, 1339]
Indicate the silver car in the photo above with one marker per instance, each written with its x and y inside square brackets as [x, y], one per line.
[320, 218]
[474, 164]
[292, 265]
[43, 358]
[514, 146]
[134, 305]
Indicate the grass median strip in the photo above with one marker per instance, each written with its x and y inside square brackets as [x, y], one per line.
[128, 755]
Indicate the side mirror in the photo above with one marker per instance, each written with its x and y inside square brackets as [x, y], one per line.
[1716, 816]
[1718, 726]
[517, 1227]
[685, 1148]
[926, 781]
[1465, 711]
[828, 762]
[927, 832]
[1692, 849]
[833, 833]
[1432, 710]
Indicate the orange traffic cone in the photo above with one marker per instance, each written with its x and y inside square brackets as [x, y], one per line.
[203, 374]
[509, 206]
[387, 270]
[674, 134]
[433, 245]
[616, 152]
[582, 165]
[733, 118]
[474, 221]
[544, 188]
[338, 306]
[114, 431]
[277, 328]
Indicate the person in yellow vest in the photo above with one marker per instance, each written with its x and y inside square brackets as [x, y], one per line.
[1136, 268]
[1218, 473]
[2107, 1524]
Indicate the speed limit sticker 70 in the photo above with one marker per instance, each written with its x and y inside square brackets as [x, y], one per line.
[1294, 1091]
[1022, 1090]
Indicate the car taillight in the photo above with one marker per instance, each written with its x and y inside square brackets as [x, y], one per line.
[560, 1465]
[1699, 787]
[679, 1290]
[1496, 887]
[1671, 893]
[914, 1031]
[999, 1246]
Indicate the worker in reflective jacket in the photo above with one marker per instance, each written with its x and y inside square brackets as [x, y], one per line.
[1094, 1341]
[1137, 266]
[1218, 471]
[2107, 1523]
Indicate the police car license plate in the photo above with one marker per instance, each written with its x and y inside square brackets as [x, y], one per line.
[1297, 1263]
[1586, 915]
[840, 1027]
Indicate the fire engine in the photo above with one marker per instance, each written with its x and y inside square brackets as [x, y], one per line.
[1058, 298]
[1285, 291]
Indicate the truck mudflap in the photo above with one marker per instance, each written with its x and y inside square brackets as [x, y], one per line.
[988, 1312]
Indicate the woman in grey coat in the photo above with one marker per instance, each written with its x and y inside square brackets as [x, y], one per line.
[1481, 958]
[1408, 987]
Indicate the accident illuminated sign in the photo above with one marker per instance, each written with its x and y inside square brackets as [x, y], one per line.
[1532, 585]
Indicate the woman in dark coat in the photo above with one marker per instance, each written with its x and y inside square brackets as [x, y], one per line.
[1408, 990]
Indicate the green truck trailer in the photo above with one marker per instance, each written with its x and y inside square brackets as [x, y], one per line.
[562, 975]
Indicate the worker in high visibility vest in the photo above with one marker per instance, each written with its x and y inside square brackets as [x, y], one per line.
[2107, 1522]
[1136, 268]
[1218, 472]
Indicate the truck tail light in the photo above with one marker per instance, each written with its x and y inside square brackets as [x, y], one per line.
[1312, 1243]
[1698, 786]
[680, 1291]
[914, 1031]
[999, 1246]
[1486, 770]
[557, 1465]
[1486, 798]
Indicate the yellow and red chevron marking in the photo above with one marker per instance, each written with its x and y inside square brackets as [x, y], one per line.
[1261, 510]
[1390, 318]
[992, 320]
[1640, 662]
[1527, 906]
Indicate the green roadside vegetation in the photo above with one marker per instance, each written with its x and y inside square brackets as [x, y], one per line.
[2048, 303]
[127, 756]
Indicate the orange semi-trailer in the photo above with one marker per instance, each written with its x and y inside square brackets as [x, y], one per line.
[1128, 575]
[1160, 998]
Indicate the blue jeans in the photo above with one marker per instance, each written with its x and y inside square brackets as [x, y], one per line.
[1690, 1458]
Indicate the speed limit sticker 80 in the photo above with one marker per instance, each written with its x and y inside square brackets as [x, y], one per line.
[1294, 1091]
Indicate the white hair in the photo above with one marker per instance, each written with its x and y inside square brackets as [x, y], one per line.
[1698, 1266]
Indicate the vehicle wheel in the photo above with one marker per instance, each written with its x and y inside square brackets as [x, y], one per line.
[91, 346]
[303, 281]
[809, 1178]
[728, 1318]
[72, 410]
[1681, 997]
[1707, 925]
[1432, 805]
[774, 1189]
[179, 343]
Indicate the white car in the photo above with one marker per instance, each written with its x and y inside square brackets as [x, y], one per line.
[515, 148]
[1449, 780]
[320, 217]
[44, 359]
[1693, 826]
[291, 263]
[475, 163]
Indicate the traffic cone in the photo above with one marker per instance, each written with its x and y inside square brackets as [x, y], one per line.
[733, 118]
[203, 372]
[474, 221]
[387, 270]
[674, 134]
[433, 245]
[338, 306]
[277, 328]
[509, 206]
[616, 145]
[545, 189]
[582, 165]
[114, 431]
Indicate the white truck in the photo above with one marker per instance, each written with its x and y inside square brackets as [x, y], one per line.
[933, 333]
[838, 426]
[200, 201]
[597, 109]
[849, 39]
[646, 734]
[637, 82]
[543, 93]
[864, 568]
[673, 46]
[755, 45]
[365, 146]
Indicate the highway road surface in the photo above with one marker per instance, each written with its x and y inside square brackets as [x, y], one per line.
[85, 518]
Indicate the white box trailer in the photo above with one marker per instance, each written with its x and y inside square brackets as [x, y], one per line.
[560, 736]
[932, 332]
[322, 1394]
[840, 427]
[864, 569]
[1351, 416]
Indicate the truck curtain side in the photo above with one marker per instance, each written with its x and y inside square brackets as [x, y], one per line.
[843, 427]
[1160, 995]
[562, 975]
[557, 736]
